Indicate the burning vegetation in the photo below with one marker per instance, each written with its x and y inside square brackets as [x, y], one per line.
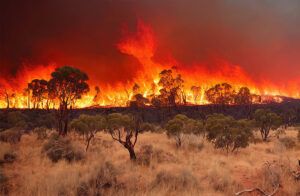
[156, 84]
[169, 89]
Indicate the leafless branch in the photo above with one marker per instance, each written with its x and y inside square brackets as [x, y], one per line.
[259, 191]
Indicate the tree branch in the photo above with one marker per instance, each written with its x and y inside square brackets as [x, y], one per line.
[258, 190]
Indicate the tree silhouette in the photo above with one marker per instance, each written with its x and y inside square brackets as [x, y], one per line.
[125, 129]
[88, 126]
[222, 94]
[6, 96]
[98, 94]
[172, 88]
[243, 97]
[67, 84]
[196, 90]
[38, 90]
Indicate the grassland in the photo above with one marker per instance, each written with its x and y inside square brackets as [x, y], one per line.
[161, 168]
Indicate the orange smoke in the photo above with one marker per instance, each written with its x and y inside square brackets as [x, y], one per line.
[142, 46]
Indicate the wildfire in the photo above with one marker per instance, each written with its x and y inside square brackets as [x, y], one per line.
[142, 46]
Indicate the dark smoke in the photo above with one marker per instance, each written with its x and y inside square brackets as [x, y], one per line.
[261, 36]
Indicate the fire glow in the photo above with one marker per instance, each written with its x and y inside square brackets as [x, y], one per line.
[142, 46]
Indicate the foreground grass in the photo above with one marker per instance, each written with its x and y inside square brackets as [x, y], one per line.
[161, 169]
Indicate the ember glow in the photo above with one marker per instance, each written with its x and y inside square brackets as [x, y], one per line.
[142, 46]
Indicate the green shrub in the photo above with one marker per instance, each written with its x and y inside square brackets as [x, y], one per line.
[227, 133]
[180, 125]
[12, 135]
[58, 148]
[288, 142]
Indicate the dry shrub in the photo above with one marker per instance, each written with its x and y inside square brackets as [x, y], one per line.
[58, 148]
[175, 182]
[256, 140]
[107, 144]
[104, 180]
[288, 142]
[148, 154]
[7, 154]
[3, 184]
[41, 133]
[220, 179]
[193, 142]
[12, 135]
[271, 175]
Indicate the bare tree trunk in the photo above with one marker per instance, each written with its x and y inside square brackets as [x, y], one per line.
[7, 100]
[88, 141]
[131, 152]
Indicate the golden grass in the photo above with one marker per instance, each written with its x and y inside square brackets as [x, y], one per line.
[189, 171]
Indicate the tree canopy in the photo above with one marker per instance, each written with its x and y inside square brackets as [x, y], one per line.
[227, 133]
[220, 94]
[180, 125]
[88, 126]
[266, 120]
[67, 84]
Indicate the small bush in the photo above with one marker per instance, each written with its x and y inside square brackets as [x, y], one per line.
[193, 142]
[148, 154]
[220, 178]
[175, 182]
[12, 135]
[6, 153]
[16, 119]
[288, 142]
[58, 148]
[41, 133]
[105, 179]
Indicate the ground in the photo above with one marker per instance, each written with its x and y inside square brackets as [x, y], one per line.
[161, 169]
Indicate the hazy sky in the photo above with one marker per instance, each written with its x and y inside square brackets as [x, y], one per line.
[262, 36]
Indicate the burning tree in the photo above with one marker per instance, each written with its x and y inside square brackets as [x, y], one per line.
[222, 94]
[98, 94]
[172, 88]
[38, 90]
[67, 84]
[196, 90]
[243, 97]
[6, 95]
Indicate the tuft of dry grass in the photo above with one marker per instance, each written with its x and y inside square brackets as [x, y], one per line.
[58, 148]
[7, 155]
[12, 135]
[172, 181]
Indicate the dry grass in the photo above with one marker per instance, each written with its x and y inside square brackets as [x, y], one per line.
[165, 169]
